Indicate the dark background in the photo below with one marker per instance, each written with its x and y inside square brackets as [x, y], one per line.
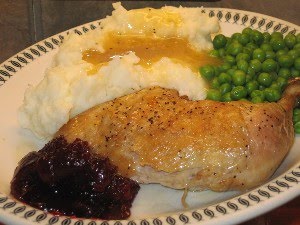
[24, 22]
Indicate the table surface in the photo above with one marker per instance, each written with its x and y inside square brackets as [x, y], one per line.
[24, 22]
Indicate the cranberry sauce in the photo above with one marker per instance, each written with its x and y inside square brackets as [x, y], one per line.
[67, 179]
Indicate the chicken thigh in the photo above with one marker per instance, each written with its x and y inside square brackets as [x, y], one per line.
[157, 136]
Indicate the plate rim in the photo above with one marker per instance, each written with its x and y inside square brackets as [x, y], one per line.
[13, 211]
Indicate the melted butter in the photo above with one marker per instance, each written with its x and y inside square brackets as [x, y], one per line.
[153, 18]
[149, 49]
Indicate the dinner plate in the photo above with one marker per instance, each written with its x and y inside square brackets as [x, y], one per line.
[154, 205]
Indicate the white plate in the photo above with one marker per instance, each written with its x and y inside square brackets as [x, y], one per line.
[154, 204]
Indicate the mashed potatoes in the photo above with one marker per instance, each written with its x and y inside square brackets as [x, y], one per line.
[74, 84]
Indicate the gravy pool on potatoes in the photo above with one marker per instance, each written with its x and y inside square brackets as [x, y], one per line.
[149, 50]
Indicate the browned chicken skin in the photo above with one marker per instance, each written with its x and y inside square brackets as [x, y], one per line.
[156, 136]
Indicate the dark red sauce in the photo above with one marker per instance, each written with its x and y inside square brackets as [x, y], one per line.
[68, 179]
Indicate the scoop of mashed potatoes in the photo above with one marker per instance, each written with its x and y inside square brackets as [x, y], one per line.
[74, 84]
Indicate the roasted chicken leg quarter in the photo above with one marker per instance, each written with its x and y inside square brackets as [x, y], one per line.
[157, 136]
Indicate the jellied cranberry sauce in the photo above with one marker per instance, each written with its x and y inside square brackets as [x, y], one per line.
[68, 179]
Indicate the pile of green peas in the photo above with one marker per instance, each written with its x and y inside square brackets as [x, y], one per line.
[255, 67]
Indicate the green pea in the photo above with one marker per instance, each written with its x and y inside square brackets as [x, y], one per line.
[226, 97]
[247, 51]
[284, 73]
[238, 93]
[239, 78]
[282, 82]
[269, 65]
[296, 118]
[297, 46]
[266, 47]
[285, 61]
[290, 40]
[257, 99]
[295, 72]
[296, 112]
[251, 46]
[213, 94]
[236, 36]
[277, 44]
[251, 86]
[264, 79]
[224, 67]
[224, 78]
[297, 63]
[243, 56]
[251, 71]
[222, 52]
[244, 39]
[247, 30]
[215, 83]
[219, 41]
[261, 87]
[229, 59]
[248, 78]
[217, 70]
[259, 54]
[276, 86]
[267, 37]
[234, 49]
[255, 64]
[258, 93]
[224, 88]
[274, 75]
[277, 35]
[230, 72]
[297, 49]
[294, 53]
[281, 52]
[257, 37]
[207, 72]
[272, 95]
[242, 65]
[229, 41]
[214, 53]
[270, 55]
[297, 127]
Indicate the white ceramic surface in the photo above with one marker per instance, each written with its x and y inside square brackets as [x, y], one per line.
[154, 204]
